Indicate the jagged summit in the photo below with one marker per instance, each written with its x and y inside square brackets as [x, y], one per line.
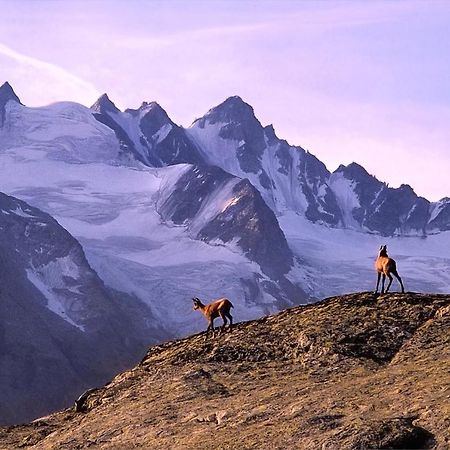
[352, 170]
[104, 104]
[7, 93]
[406, 188]
[232, 110]
[154, 111]
[354, 371]
[269, 130]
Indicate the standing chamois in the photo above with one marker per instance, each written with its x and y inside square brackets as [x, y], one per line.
[387, 267]
[220, 307]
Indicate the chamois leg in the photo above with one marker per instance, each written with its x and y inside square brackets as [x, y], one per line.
[378, 282]
[230, 317]
[390, 282]
[383, 279]
[400, 280]
[222, 315]
[210, 327]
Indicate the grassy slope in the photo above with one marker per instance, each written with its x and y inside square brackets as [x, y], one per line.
[351, 372]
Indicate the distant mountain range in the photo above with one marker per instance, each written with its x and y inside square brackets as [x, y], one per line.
[114, 220]
[229, 136]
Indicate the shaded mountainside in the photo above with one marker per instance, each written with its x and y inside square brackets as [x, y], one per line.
[61, 329]
[351, 372]
[218, 208]
[147, 133]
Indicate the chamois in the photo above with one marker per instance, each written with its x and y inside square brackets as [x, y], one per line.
[387, 267]
[220, 307]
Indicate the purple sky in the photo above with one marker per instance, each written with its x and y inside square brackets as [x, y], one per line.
[349, 81]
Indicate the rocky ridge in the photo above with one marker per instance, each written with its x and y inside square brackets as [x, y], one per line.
[289, 178]
[351, 372]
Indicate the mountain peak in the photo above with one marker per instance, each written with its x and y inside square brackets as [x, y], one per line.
[233, 109]
[104, 104]
[7, 93]
[234, 99]
[152, 106]
[235, 105]
[269, 131]
[352, 171]
[154, 109]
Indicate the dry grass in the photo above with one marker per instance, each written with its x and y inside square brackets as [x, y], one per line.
[352, 372]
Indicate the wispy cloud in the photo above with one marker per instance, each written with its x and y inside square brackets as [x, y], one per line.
[50, 72]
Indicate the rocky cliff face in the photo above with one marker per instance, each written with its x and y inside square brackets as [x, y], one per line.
[373, 206]
[220, 209]
[351, 372]
[61, 329]
[439, 216]
[6, 94]
[288, 177]
[147, 133]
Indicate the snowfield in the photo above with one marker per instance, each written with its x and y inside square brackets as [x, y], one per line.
[340, 261]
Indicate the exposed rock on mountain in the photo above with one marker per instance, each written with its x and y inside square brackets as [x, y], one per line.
[440, 216]
[218, 208]
[147, 133]
[375, 207]
[6, 94]
[61, 329]
[291, 179]
[350, 372]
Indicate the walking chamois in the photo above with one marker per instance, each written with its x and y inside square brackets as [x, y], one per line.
[220, 307]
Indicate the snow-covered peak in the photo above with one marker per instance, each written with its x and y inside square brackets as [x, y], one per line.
[439, 216]
[104, 104]
[60, 131]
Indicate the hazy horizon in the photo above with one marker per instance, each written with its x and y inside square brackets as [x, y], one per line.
[348, 81]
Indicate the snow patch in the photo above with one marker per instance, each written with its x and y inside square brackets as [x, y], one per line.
[48, 278]
[344, 191]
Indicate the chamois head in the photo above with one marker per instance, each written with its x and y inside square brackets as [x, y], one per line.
[383, 250]
[197, 302]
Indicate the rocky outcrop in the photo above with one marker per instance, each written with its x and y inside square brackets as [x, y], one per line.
[6, 94]
[147, 133]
